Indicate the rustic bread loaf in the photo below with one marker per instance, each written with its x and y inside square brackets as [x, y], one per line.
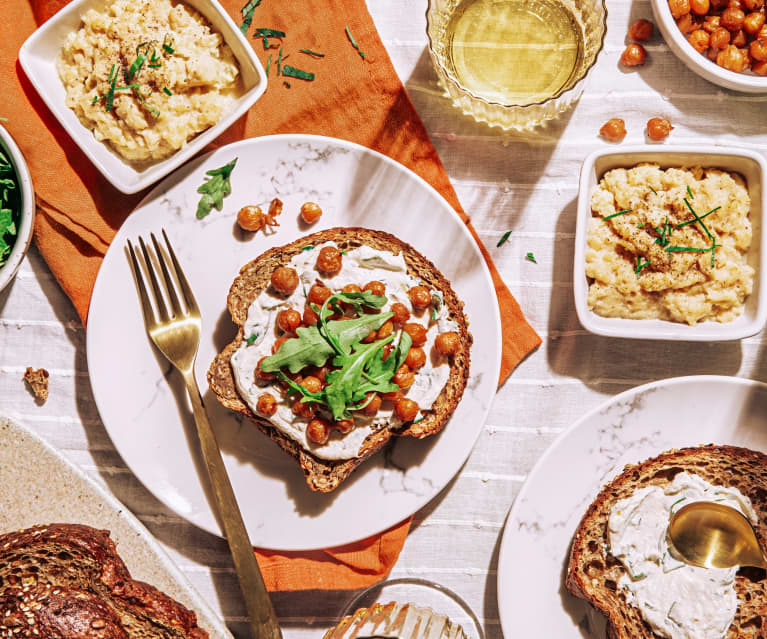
[593, 574]
[325, 475]
[66, 581]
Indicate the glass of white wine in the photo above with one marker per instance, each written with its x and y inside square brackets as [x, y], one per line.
[514, 63]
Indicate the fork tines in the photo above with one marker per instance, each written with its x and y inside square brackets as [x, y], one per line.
[174, 283]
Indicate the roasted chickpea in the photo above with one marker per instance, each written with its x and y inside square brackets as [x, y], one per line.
[417, 333]
[614, 130]
[720, 38]
[760, 67]
[387, 328]
[370, 337]
[758, 50]
[686, 24]
[318, 430]
[318, 294]
[251, 218]
[633, 55]
[289, 320]
[711, 23]
[739, 39]
[735, 4]
[732, 19]
[329, 260]
[447, 343]
[416, 358]
[310, 212]
[261, 375]
[420, 297]
[312, 384]
[406, 410]
[387, 349]
[266, 405]
[375, 287]
[310, 317]
[303, 409]
[732, 59]
[284, 280]
[394, 396]
[699, 40]
[719, 5]
[679, 7]
[278, 342]
[344, 426]
[371, 408]
[753, 5]
[700, 7]
[351, 288]
[641, 30]
[404, 377]
[401, 313]
[753, 22]
[762, 35]
[658, 129]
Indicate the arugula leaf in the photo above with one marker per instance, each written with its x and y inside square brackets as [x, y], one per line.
[379, 373]
[215, 189]
[310, 348]
[10, 208]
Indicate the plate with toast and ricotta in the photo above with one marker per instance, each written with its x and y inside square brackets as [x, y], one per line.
[347, 364]
[585, 552]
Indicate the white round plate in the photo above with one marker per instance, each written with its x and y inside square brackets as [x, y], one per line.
[631, 427]
[143, 402]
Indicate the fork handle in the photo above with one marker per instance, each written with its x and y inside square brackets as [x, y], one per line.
[263, 620]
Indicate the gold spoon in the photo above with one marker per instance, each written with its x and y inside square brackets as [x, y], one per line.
[712, 535]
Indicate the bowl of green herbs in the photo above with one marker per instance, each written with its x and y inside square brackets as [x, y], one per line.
[17, 207]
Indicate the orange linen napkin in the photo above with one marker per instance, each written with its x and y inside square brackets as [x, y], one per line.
[361, 100]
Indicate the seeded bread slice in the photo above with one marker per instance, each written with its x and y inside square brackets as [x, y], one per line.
[66, 581]
[325, 475]
[593, 574]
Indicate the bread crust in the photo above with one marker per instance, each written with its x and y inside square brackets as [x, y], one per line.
[67, 581]
[593, 574]
[325, 475]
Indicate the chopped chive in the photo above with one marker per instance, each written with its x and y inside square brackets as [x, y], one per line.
[531, 257]
[155, 58]
[136, 66]
[286, 83]
[167, 91]
[313, 53]
[679, 226]
[654, 191]
[642, 225]
[96, 98]
[640, 266]
[617, 214]
[3, 119]
[292, 72]
[308, 247]
[128, 87]
[504, 237]
[676, 502]
[689, 192]
[433, 314]
[111, 93]
[268, 64]
[269, 33]
[252, 338]
[168, 50]
[354, 42]
[167, 44]
[698, 219]
[279, 63]
[154, 66]
[247, 15]
[685, 249]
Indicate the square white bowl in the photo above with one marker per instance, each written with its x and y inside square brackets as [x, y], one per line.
[751, 166]
[38, 59]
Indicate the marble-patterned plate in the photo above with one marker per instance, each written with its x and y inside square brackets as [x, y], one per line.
[631, 427]
[39, 486]
[143, 403]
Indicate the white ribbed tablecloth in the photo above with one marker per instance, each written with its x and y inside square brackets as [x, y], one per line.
[526, 184]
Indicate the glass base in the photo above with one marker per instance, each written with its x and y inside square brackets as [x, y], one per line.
[422, 594]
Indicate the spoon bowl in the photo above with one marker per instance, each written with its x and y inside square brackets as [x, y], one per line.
[712, 535]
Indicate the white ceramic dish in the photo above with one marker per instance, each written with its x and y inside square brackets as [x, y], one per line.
[751, 166]
[39, 486]
[38, 59]
[631, 427]
[134, 388]
[9, 148]
[699, 63]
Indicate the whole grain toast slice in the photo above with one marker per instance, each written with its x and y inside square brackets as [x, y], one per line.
[66, 581]
[593, 574]
[325, 475]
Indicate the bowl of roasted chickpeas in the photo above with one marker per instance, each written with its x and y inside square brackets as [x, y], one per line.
[723, 41]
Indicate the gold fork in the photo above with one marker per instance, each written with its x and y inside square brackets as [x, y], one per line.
[176, 333]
